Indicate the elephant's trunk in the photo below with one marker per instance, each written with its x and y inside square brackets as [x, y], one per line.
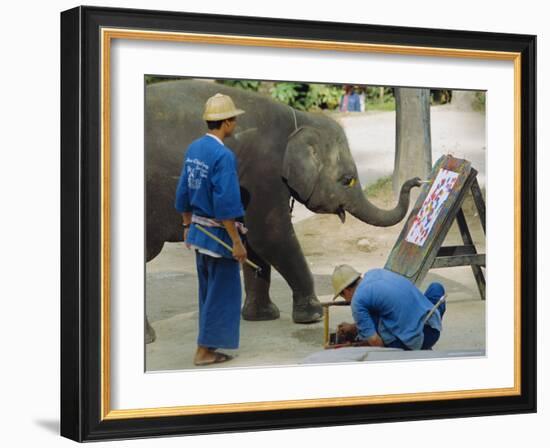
[367, 212]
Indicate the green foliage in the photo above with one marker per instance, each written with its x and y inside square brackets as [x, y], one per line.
[479, 102]
[301, 96]
[378, 98]
[378, 95]
[290, 93]
[327, 96]
[244, 84]
[307, 96]
[386, 106]
[152, 79]
[322, 96]
[440, 96]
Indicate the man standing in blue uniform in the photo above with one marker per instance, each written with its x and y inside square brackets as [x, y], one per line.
[389, 310]
[208, 194]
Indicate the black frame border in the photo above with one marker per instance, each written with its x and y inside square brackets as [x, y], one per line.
[81, 223]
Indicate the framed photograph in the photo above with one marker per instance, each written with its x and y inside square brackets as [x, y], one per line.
[273, 224]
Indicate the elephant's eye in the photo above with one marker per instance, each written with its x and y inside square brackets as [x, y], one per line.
[348, 181]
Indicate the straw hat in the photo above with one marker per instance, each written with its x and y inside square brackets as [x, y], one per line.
[343, 276]
[220, 107]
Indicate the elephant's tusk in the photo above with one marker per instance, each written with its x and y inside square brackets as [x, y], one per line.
[342, 215]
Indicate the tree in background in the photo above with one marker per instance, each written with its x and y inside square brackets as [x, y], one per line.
[413, 142]
[440, 96]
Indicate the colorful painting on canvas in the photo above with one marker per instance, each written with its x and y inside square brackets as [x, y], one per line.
[431, 207]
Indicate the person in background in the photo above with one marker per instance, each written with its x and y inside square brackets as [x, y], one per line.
[350, 101]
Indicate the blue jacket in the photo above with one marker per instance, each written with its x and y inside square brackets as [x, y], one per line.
[392, 306]
[209, 186]
[354, 103]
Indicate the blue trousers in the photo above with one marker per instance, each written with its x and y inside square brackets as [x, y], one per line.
[434, 292]
[219, 302]
[431, 335]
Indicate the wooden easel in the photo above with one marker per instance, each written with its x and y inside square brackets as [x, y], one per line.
[465, 255]
[438, 256]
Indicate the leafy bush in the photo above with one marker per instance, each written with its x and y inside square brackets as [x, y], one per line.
[479, 102]
[290, 93]
[241, 84]
[323, 96]
[440, 96]
[303, 96]
[152, 79]
[379, 98]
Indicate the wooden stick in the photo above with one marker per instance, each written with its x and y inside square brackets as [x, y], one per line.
[227, 246]
[339, 303]
[435, 307]
[326, 317]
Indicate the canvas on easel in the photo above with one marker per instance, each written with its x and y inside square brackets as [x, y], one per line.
[419, 246]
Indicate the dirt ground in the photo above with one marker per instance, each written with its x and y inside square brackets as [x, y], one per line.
[171, 283]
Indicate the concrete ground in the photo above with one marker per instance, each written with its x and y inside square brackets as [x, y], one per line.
[371, 137]
[171, 282]
[172, 310]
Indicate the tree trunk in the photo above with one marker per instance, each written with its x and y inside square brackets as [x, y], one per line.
[463, 99]
[413, 151]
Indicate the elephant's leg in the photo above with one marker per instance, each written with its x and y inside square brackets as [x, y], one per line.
[257, 304]
[281, 249]
[150, 334]
[153, 249]
[289, 260]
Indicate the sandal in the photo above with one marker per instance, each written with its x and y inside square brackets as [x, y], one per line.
[218, 358]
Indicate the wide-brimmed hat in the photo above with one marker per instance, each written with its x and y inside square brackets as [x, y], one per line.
[343, 276]
[220, 107]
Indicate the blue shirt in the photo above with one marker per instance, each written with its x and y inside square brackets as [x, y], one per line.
[353, 103]
[209, 186]
[392, 306]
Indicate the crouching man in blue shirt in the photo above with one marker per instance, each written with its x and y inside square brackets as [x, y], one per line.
[208, 195]
[388, 309]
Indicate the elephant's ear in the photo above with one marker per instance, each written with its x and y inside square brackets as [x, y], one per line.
[301, 164]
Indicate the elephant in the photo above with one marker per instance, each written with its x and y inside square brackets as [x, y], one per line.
[282, 153]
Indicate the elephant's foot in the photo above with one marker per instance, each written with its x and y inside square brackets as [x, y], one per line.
[307, 310]
[256, 310]
[150, 334]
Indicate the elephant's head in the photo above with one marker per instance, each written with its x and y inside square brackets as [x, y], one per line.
[320, 172]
